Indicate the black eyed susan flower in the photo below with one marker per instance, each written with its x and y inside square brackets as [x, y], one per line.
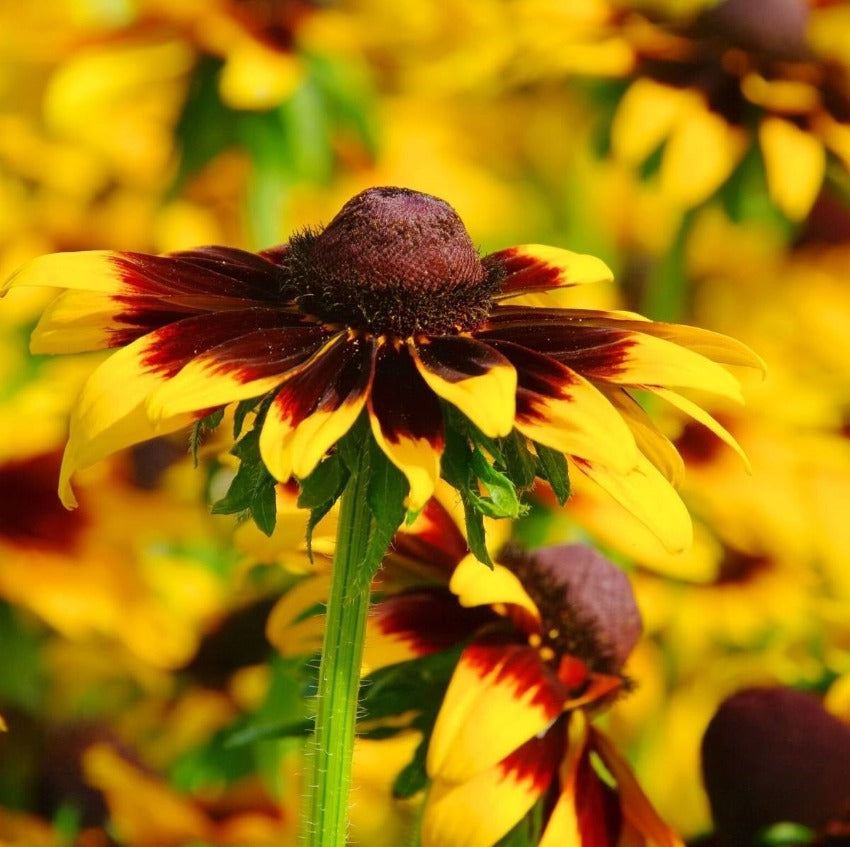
[710, 84]
[388, 309]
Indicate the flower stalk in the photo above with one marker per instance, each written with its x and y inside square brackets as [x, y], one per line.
[325, 823]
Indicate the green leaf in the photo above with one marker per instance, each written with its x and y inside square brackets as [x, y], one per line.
[519, 462]
[324, 484]
[785, 834]
[201, 427]
[243, 408]
[502, 500]
[252, 733]
[386, 490]
[352, 444]
[252, 490]
[553, 468]
[413, 777]
[320, 491]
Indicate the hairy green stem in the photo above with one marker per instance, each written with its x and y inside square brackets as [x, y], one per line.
[326, 819]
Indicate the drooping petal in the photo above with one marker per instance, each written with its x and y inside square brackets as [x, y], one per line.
[645, 493]
[316, 406]
[793, 188]
[407, 423]
[634, 805]
[559, 408]
[262, 356]
[500, 695]
[538, 269]
[476, 585]
[479, 811]
[700, 415]
[416, 623]
[472, 376]
[649, 439]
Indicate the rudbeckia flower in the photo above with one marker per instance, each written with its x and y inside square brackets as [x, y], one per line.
[709, 85]
[514, 724]
[388, 309]
[772, 756]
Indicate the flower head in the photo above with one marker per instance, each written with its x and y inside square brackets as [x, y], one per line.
[391, 310]
[741, 70]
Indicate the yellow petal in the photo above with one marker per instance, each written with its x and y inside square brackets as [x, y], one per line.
[479, 811]
[698, 414]
[649, 497]
[290, 627]
[417, 458]
[499, 697]
[700, 155]
[645, 117]
[795, 162]
[473, 377]
[477, 585]
[89, 270]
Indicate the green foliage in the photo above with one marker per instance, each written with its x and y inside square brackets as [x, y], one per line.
[552, 466]
[252, 491]
[200, 429]
[320, 491]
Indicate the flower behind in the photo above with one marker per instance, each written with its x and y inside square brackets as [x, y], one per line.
[389, 309]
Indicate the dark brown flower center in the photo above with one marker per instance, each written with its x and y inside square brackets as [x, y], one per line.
[393, 262]
[586, 604]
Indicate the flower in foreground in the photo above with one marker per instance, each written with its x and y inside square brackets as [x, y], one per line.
[388, 309]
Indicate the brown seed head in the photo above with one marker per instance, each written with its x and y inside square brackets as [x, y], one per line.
[392, 262]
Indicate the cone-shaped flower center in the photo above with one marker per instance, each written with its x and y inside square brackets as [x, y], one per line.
[586, 604]
[392, 262]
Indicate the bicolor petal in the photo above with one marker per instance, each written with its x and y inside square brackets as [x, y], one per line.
[499, 697]
[649, 497]
[315, 407]
[561, 409]
[407, 422]
[472, 376]
[479, 811]
[260, 356]
[538, 269]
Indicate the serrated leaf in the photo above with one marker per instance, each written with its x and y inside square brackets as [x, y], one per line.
[243, 409]
[351, 446]
[253, 488]
[519, 462]
[320, 491]
[201, 427]
[552, 467]
[325, 483]
[386, 490]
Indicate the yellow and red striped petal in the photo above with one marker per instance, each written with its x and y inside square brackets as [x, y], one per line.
[110, 415]
[479, 811]
[538, 269]
[795, 164]
[472, 376]
[701, 416]
[559, 408]
[634, 805]
[407, 422]
[649, 439]
[645, 493]
[87, 270]
[416, 623]
[315, 407]
[476, 585]
[499, 697]
[255, 361]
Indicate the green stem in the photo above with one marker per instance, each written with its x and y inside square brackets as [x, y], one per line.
[326, 821]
